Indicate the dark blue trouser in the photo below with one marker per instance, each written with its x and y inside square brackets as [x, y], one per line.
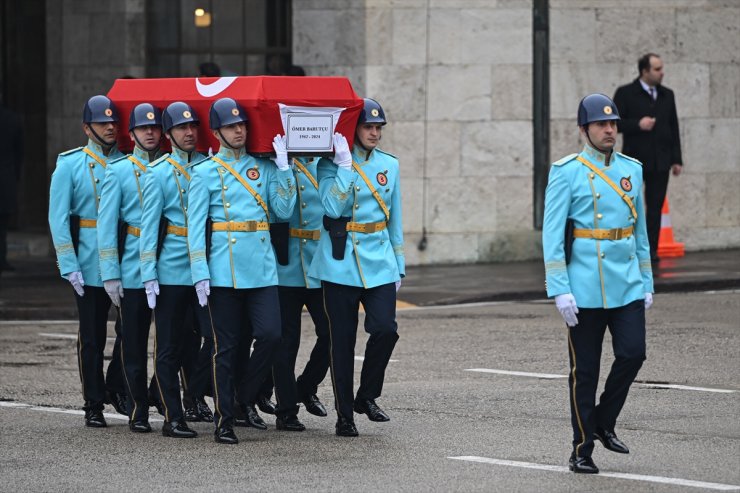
[169, 342]
[91, 338]
[136, 317]
[627, 327]
[287, 391]
[195, 372]
[342, 304]
[114, 380]
[233, 312]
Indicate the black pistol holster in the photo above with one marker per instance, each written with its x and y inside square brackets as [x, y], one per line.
[209, 231]
[279, 237]
[74, 231]
[161, 234]
[337, 229]
[122, 233]
[570, 226]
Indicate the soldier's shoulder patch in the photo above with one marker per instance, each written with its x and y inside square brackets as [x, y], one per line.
[565, 160]
[629, 158]
[71, 151]
[159, 160]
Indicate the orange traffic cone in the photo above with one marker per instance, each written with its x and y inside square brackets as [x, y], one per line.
[667, 246]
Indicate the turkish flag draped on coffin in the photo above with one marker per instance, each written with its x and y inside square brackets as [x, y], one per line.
[260, 96]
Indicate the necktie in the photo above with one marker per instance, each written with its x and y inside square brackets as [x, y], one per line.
[653, 94]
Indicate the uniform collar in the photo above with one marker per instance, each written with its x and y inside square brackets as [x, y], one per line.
[595, 156]
[98, 149]
[360, 154]
[228, 154]
[143, 155]
[180, 156]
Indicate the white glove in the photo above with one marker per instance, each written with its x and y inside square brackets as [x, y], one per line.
[114, 288]
[151, 288]
[342, 156]
[648, 300]
[281, 152]
[77, 282]
[203, 289]
[566, 304]
[398, 285]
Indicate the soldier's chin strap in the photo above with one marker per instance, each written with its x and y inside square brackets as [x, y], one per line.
[141, 146]
[175, 144]
[228, 144]
[608, 153]
[100, 140]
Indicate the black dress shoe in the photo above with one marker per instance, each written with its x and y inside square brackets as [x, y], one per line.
[314, 405]
[582, 465]
[118, 401]
[251, 419]
[610, 441]
[346, 427]
[191, 414]
[95, 419]
[140, 426]
[266, 405]
[225, 434]
[177, 429]
[289, 423]
[203, 409]
[373, 411]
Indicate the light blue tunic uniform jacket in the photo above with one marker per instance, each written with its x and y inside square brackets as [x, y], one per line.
[166, 194]
[239, 259]
[122, 197]
[307, 215]
[370, 259]
[601, 273]
[75, 189]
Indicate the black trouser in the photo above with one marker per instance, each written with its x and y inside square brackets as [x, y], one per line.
[136, 317]
[195, 372]
[656, 186]
[115, 382]
[342, 304]
[91, 338]
[627, 327]
[4, 220]
[287, 389]
[169, 344]
[232, 312]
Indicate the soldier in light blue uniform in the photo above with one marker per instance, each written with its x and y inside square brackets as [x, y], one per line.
[165, 265]
[597, 265]
[297, 244]
[360, 259]
[232, 263]
[119, 229]
[73, 213]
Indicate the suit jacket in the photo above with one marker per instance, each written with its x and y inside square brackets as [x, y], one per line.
[659, 148]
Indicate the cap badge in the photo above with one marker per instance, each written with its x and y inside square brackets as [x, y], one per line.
[235, 111]
[108, 112]
[150, 116]
[374, 112]
[186, 114]
[607, 110]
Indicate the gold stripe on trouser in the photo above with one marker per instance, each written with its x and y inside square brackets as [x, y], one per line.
[88, 223]
[575, 403]
[123, 364]
[79, 362]
[156, 376]
[248, 226]
[331, 352]
[133, 230]
[213, 366]
[177, 230]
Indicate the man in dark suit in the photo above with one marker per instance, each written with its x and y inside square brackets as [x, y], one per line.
[650, 127]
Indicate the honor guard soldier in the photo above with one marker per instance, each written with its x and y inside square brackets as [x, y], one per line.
[360, 260]
[295, 244]
[165, 265]
[119, 230]
[74, 198]
[597, 265]
[232, 261]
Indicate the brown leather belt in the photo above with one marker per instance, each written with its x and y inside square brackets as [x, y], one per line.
[366, 227]
[241, 226]
[306, 234]
[133, 230]
[88, 223]
[604, 234]
[177, 230]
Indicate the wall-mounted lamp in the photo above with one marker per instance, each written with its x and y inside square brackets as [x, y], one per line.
[202, 18]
